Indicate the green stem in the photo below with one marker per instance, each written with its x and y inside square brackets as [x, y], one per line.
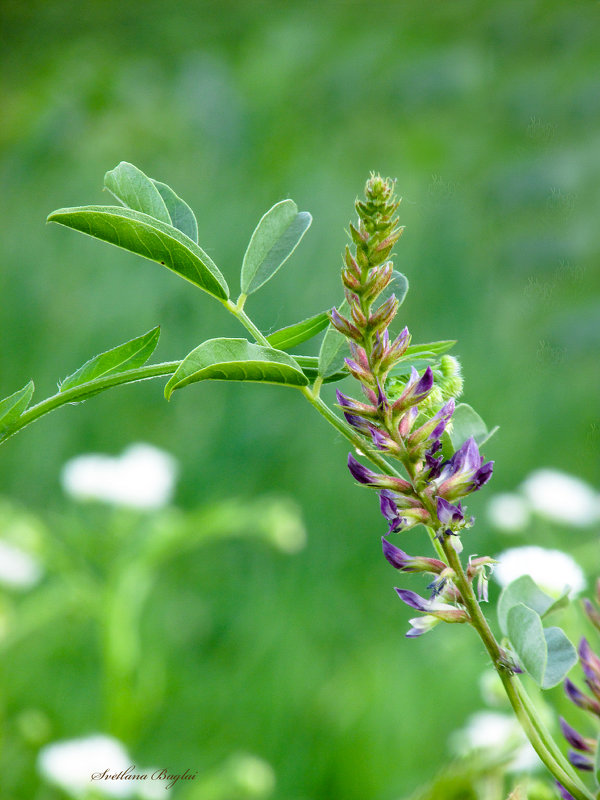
[537, 734]
[86, 390]
[314, 399]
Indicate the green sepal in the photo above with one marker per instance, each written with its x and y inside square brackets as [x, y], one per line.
[236, 360]
[136, 191]
[597, 762]
[147, 237]
[300, 332]
[273, 241]
[13, 406]
[130, 355]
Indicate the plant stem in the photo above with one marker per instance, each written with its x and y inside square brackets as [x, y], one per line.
[537, 734]
[86, 390]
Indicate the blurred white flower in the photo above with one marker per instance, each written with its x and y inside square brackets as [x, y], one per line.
[142, 477]
[498, 733]
[552, 570]
[561, 497]
[508, 512]
[18, 569]
[70, 765]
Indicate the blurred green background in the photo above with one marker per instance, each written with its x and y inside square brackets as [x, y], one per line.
[488, 115]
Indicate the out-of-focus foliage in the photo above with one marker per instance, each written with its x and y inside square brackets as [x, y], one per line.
[487, 113]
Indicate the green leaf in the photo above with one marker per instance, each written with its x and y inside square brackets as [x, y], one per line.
[523, 590]
[333, 352]
[310, 367]
[526, 634]
[547, 655]
[398, 286]
[466, 422]
[182, 216]
[274, 240]
[301, 332]
[13, 406]
[129, 355]
[430, 349]
[236, 360]
[597, 762]
[147, 237]
[561, 657]
[136, 191]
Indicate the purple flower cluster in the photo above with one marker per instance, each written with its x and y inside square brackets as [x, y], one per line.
[584, 748]
[402, 422]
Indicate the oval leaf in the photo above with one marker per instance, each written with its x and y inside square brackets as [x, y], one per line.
[137, 191]
[129, 355]
[310, 367]
[397, 286]
[466, 422]
[236, 360]
[182, 216]
[430, 349]
[301, 332]
[561, 657]
[13, 406]
[522, 590]
[147, 237]
[526, 634]
[274, 240]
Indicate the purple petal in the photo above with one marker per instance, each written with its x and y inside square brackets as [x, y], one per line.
[580, 762]
[359, 472]
[483, 475]
[424, 386]
[412, 599]
[396, 557]
[357, 422]
[447, 513]
[574, 738]
[563, 792]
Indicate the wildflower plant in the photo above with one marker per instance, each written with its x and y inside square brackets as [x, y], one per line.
[412, 441]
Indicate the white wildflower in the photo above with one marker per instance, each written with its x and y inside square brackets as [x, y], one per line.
[500, 734]
[508, 512]
[142, 477]
[70, 765]
[18, 569]
[552, 570]
[562, 498]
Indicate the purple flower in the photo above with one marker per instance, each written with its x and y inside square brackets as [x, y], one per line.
[352, 406]
[580, 762]
[415, 390]
[401, 511]
[442, 611]
[365, 475]
[421, 625]
[402, 561]
[563, 792]
[580, 699]
[574, 738]
[465, 472]
[591, 666]
[434, 427]
[448, 514]
[358, 423]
